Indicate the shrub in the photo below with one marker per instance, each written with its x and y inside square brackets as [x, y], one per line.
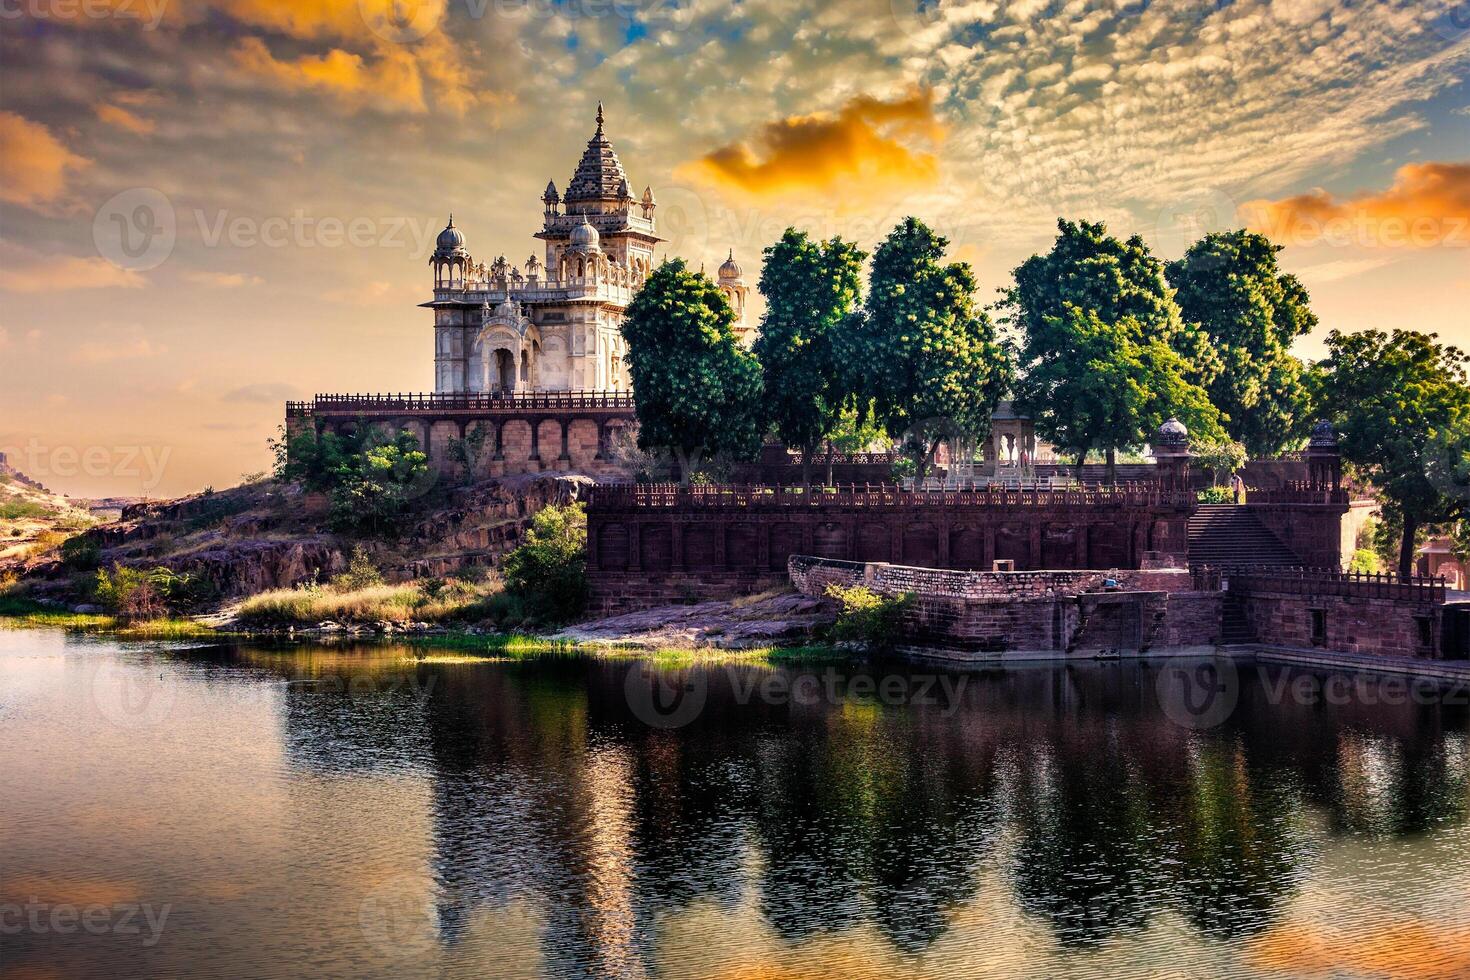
[1366, 561]
[1216, 495]
[129, 593]
[80, 553]
[867, 618]
[361, 573]
[549, 571]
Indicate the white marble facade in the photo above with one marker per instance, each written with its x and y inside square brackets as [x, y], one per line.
[555, 325]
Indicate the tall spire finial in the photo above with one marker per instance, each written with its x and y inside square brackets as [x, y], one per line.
[599, 115]
[451, 219]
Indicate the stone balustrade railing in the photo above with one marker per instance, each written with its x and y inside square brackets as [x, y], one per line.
[463, 401]
[1327, 582]
[882, 495]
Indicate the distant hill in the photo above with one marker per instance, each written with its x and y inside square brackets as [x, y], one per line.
[32, 517]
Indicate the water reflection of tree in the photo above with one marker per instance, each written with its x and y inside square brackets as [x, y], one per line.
[547, 786]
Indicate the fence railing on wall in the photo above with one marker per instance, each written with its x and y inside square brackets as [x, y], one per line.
[1322, 582]
[669, 495]
[1297, 493]
[462, 401]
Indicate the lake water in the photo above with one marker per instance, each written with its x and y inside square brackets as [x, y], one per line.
[228, 811]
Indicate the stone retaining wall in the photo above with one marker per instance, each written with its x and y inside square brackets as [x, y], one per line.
[988, 615]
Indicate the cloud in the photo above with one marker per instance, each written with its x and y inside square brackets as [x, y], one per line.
[123, 119]
[366, 294]
[1340, 269]
[1427, 206]
[96, 352]
[863, 149]
[390, 82]
[4, 338]
[67, 272]
[224, 280]
[36, 164]
[265, 393]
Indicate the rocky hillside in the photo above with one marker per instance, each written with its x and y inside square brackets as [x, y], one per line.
[267, 535]
[32, 518]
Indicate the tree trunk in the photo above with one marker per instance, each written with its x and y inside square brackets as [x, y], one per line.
[927, 461]
[1112, 466]
[1081, 463]
[688, 461]
[1406, 548]
[806, 468]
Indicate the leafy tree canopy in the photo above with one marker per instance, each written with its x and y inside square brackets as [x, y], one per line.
[1105, 356]
[1402, 411]
[695, 390]
[811, 290]
[1229, 283]
[924, 355]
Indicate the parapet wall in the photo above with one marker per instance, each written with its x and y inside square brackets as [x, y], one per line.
[652, 544]
[992, 615]
[520, 433]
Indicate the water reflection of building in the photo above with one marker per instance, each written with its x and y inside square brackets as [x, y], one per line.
[851, 815]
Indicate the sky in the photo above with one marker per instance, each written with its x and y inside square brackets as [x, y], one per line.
[210, 206]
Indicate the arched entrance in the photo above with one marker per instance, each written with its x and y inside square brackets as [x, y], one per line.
[505, 370]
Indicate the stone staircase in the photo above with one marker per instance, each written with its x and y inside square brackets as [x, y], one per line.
[1235, 627]
[1225, 534]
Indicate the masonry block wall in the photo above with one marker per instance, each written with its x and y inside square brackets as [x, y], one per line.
[975, 615]
[1313, 532]
[1345, 624]
[651, 545]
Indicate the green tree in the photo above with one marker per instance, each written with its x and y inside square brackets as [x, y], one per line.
[1229, 283]
[1223, 458]
[1402, 411]
[1105, 356]
[695, 390]
[811, 290]
[924, 355]
[372, 488]
[468, 450]
[549, 570]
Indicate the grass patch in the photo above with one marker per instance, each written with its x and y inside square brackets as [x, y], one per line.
[18, 510]
[21, 613]
[430, 601]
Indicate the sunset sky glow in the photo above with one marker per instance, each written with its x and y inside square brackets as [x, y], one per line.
[210, 206]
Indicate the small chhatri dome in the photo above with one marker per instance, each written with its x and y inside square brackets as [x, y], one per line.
[551, 194]
[584, 237]
[1172, 433]
[451, 239]
[731, 269]
[647, 195]
[1324, 436]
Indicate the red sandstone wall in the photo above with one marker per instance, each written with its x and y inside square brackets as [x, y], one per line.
[1383, 627]
[1313, 532]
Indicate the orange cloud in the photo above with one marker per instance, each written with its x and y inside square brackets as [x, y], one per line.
[123, 119]
[391, 81]
[67, 273]
[1428, 205]
[864, 147]
[35, 163]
